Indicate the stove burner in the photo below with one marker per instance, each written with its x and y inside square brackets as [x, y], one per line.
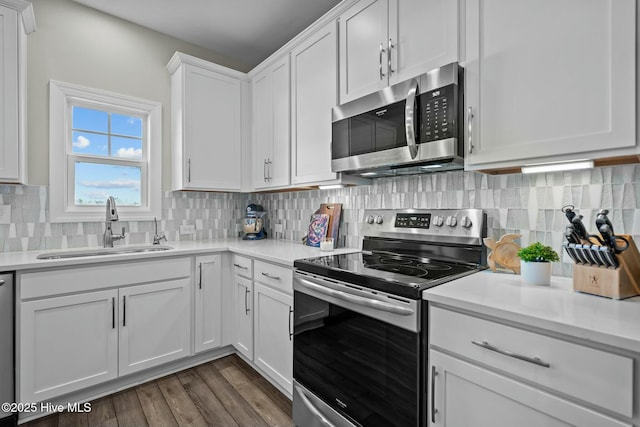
[431, 266]
[394, 260]
[400, 269]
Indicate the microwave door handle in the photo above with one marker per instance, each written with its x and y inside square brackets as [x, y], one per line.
[409, 118]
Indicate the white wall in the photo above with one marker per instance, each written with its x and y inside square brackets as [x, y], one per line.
[79, 45]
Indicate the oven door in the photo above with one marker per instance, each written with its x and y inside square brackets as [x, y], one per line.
[356, 352]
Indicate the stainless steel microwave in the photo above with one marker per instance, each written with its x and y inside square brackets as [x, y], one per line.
[411, 127]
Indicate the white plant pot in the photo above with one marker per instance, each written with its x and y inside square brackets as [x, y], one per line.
[536, 273]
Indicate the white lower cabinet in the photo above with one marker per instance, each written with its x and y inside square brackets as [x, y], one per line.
[67, 343]
[244, 316]
[273, 334]
[486, 373]
[208, 302]
[264, 315]
[465, 394]
[155, 324]
[80, 327]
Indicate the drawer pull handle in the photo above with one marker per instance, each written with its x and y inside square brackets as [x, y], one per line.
[240, 266]
[270, 276]
[534, 360]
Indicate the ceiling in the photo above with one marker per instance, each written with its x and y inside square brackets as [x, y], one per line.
[246, 30]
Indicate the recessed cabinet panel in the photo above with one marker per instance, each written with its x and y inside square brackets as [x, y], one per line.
[314, 93]
[468, 395]
[547, 78]
[12, 160]
[67, 343]
[208, 302]
[154, 324]
[212, 114]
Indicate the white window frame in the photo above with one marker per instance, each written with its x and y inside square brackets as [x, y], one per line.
[62, 208]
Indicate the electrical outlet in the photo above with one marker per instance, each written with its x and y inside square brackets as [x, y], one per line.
[188, 229]
[5, 214]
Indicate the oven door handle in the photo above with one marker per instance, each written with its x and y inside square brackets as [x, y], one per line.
[311, 407]
[378, 305]
[410, 118]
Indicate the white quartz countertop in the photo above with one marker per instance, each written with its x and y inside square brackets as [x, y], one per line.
[556, 308]
[282, 252]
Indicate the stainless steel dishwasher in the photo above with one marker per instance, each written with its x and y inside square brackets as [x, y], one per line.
[6, 348]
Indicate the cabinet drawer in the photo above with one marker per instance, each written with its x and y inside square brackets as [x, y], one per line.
[274, 275]
[82, 279]
[594, 376]
[242, 266]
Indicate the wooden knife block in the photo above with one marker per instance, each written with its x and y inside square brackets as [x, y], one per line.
[623, 282]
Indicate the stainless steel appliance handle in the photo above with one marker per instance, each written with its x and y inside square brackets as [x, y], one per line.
[382, 75]
[378, 305]
[310, 406]
[240, 266]
[270, 276]
[470, 128]
[409, 118]
[534, 360]
[246, 306]
[434, 411]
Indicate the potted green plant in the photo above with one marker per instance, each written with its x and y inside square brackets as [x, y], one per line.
[535, 263]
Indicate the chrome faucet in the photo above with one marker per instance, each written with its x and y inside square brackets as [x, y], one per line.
[157, 238]
[112, 216]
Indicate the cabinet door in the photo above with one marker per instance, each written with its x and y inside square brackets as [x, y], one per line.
[549, 80]
[262, 126]
[244, 316]
[212, 130]
[314, 93]
[208, 298]
[271, 95]
[364, 58]
[154, 324]
[280, 160]
[467, 395]
[9, 134]
[423, 35]
[67, 343]
[273, 330]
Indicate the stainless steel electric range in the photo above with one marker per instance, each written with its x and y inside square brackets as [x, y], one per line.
[359, 346]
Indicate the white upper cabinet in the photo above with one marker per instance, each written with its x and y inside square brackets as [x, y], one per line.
[549, 81]
[383, 42]
[16, 21]
[206, 104]
[313, 95]
[271, 125]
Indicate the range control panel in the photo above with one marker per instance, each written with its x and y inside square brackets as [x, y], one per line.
[443, 225]
[413, 220]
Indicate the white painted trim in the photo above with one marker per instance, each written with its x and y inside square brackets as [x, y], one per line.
[59, 95]
[180, 58]
[25, 9]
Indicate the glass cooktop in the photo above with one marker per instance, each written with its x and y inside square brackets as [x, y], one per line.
[400, 275]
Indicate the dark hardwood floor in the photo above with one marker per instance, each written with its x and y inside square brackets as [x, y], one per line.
[225, 392]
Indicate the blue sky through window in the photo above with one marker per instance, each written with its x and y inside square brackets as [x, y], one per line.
[98, 133]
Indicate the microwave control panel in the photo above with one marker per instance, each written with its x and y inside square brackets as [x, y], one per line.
[439, 108]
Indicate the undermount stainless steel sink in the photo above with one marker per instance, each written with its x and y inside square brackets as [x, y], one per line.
[104, 251]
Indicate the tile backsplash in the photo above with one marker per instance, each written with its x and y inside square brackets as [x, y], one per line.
[523, 204]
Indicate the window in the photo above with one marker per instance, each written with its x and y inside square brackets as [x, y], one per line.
[102, 144]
